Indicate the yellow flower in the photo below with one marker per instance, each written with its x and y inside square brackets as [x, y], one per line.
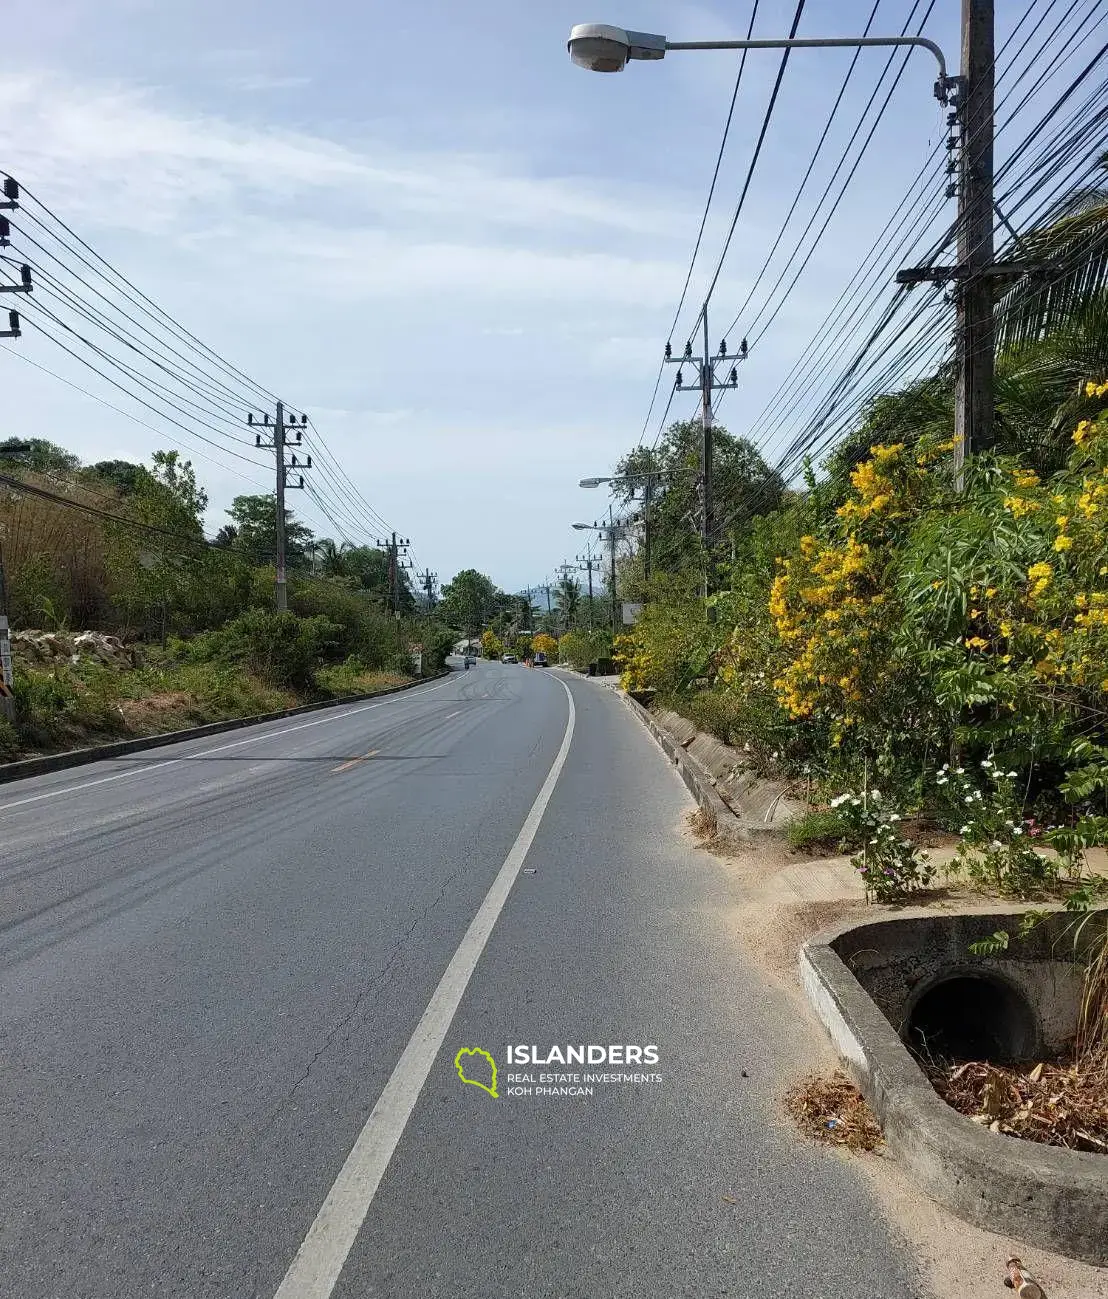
[1040, 572]
[975, 642]
[1025, 478]
[1063, 543]
[990, 592]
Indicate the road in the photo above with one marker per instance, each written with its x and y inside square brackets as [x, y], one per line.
[235, 974]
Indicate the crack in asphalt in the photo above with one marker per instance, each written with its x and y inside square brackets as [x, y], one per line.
[377, 985]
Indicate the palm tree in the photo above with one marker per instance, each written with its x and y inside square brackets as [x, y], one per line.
[332, 558]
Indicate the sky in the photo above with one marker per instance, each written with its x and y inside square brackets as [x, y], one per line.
[424, 226]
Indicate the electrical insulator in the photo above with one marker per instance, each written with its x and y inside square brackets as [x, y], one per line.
[680, 378]
[688, 349]
[13, 322]
[250, 418]
[742, 349]
[734, 377]
[669, 351]
[25, 276]
[723, 348]
[11, 188]
[265, 419]
[257, 439]
[5, 231]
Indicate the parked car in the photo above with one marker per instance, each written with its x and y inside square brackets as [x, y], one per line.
[470, 661]
[509, 658]
[540, 659]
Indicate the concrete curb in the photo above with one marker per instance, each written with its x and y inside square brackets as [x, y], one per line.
[120, 748]
[724, 821]
[1053, 1198]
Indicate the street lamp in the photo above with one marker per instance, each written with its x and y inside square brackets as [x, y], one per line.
[600, 47]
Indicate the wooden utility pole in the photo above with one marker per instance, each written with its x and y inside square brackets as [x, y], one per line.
[974, 401]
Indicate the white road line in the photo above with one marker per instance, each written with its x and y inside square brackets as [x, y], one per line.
[238, 744]
[319, 1261]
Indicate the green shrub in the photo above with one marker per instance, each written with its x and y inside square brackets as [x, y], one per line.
[283, 649]
[9, 741]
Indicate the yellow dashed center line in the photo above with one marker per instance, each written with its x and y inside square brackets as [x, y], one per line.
[354, 761]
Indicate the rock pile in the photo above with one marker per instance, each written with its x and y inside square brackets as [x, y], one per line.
[52, 648]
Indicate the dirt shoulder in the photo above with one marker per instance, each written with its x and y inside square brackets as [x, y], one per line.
[782, 901]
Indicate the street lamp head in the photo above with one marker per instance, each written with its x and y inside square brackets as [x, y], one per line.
[591, 482]
[600, 47]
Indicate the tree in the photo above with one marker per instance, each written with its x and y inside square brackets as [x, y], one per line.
[567, 596]
[40, 455]
[469, 601]
[743, 486]
[255, 518]
[124, 475]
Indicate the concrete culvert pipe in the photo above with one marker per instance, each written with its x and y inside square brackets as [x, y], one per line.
[973, 1017]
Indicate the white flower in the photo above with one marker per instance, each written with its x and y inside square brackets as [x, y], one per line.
[872, 842]
[894, 816]
[977, 794]
[959, 771]
[1017, 830]
[875, 794]
[840, 800]
[945, 766]
[855, 802]
[942, 781]
[1012, 775]
[996, 844]
[965, 829]
[986, 764]
[968, 799]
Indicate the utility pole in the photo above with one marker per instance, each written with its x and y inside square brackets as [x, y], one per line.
[7, 674]
[974, 401]
[397, 551]
[428, 580]
[708, 382]
[612, 570]
[587, 564]
[976, 277]
[286, 432]
[565, 570]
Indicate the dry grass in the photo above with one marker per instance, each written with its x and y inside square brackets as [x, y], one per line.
[703, 824]
[831, 1110]
[1057, 1103]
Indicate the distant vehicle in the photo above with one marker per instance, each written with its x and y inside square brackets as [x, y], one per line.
[540, 659]
[509, 658]
[470, 660]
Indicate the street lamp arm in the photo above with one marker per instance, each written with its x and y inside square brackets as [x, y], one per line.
[817, 42]
[601, 47]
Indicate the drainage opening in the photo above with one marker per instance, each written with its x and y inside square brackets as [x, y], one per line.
[967, 1017]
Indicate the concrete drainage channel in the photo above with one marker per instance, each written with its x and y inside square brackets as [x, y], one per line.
[879, 986]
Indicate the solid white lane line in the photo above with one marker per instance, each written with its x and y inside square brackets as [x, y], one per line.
[238, 744]
[319, 1261]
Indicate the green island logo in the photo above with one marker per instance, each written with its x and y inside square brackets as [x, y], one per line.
[473, 1082]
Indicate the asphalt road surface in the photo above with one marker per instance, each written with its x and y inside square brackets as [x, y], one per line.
[235, 975]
